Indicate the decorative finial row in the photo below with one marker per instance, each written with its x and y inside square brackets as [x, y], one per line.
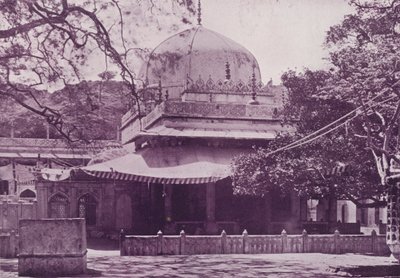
[199, 13]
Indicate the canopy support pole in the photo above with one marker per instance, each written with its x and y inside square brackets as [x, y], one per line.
[211, 226]
[169, 227]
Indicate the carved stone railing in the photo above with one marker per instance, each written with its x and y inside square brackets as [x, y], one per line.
[202, 110]
[230, 86]
[154, 115]
[129, 116]
[252, 244]
[219, 110]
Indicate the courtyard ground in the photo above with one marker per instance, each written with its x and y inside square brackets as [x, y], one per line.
[109, 264]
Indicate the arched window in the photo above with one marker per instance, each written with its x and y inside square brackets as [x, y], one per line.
[27, 194]
[87, 209]
[58, 206]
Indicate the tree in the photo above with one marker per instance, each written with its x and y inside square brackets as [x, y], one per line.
[365, 55]
[47, 44]
[366, 58]
[305, 168]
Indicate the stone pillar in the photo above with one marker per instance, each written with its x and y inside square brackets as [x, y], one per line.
[393, 218]
[73, 202]
[284, 241]
[14, 181]
[211, 226]
[169, 227]
[167, 194]
[268, 213]
[303, 209]
[152, 209]
[182, 243]
[332, 209]
[109, 215]
[245, 237]
[223, 243]
[336, 240]
[12, 132]
[41, 197]
[159, 243]
[122, 250]
[210, 202]
[124, 215]
[295, 226]
[305, 242]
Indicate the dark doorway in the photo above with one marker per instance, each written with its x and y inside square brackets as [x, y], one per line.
[87, 206]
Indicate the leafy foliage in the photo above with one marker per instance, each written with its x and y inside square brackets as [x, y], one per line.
[305, 169]
[50, 44]
[364, 52]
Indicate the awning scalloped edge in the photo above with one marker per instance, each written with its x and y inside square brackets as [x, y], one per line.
[160, 180]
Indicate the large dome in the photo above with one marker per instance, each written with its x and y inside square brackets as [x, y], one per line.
[198, 53]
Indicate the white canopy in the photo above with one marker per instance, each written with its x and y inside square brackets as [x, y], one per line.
[169, 165]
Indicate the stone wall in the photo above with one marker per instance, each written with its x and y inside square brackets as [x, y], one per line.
[72, 191]
[252, 244]
[8, 244]
[12, 211]
[107, 196]
[52, 247]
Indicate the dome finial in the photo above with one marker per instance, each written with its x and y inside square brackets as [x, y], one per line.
[199, 13]
[253, 84]
[227, 71]
[159, 91]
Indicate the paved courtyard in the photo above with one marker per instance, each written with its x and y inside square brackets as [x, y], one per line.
[110, 264]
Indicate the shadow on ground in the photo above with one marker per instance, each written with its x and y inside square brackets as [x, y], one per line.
[101, 263]
[102, 244]
[374, 271]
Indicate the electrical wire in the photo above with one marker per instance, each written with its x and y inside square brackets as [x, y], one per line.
[341, 118]
[300, 142]
[322, 134]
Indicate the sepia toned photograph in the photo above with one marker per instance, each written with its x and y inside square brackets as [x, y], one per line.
[199, 138]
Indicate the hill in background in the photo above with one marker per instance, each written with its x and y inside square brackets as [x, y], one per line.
[94, 107]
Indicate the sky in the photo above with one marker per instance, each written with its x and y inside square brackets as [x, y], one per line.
[281, 34]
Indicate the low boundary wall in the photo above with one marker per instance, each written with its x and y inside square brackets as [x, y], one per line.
[12, 211]
[252, 244]
[8, 244]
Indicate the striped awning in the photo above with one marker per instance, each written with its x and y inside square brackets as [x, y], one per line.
[168, 165]
[160, 180]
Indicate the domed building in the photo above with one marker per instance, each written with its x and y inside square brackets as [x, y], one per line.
[213, 83]
[202, 61]
[202, 103]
